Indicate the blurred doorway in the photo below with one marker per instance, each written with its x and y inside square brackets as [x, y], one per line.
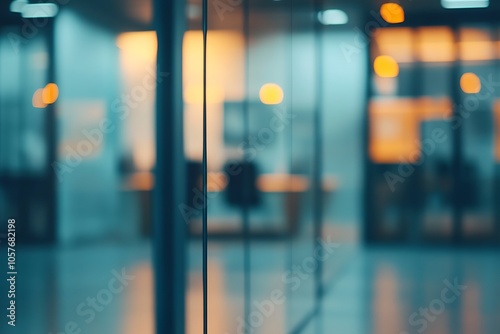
[432, 133]
[27, 133]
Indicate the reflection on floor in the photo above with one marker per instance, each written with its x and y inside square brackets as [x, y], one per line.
[390, 291]
[108, 289]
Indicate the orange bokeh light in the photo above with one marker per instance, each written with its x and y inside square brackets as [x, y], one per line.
[271, 93]
[386, 67]
[50, 93]
[470, 83]
[392, 13]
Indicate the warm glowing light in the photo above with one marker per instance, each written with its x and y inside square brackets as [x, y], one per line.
[271, 93]
[141, 44]
[432, 108]
[395, 126]
[477, 50]
[435, 44]
[476, 44]
[392, 13]
[194, 94]
[216, 181]
[470, 83]
[386, 67]
[225, 62]
[37, 99]
[133, 321]
[139, 181]
[277, 183]
[396, 42]
[50, 93]
[143, 155]
[394, 131]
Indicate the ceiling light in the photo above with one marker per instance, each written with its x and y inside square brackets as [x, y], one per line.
[455, 4]
[35, 10]
[16, 6]
[333, 17]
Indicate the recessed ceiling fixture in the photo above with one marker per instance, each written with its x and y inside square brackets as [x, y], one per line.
[333, 17]
[455, 4]
[34, 10]
[16, 6]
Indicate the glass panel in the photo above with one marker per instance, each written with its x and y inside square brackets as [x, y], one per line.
[394, 132]
[226, 56]
[269, 145]
[24, 144]
[478, 75]
[343, 110]
[76, 155]
[303, 267]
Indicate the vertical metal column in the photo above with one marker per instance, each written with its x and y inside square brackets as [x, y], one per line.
[169, 229]
[368, 210]
[457, 144]
[246, 171]
[51, 135]
[318, 148]
[205, 172]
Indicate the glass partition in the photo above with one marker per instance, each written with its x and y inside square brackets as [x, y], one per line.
[432, 135]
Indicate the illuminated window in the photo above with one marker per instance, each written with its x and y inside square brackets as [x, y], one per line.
[476, 44]
[435, 44]
[396, 42]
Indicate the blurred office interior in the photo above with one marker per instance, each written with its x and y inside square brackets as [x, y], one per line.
[353, 165]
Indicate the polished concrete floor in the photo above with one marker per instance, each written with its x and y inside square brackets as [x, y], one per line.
[108, 289]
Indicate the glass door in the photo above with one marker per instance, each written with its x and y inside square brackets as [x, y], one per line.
[432, 142]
